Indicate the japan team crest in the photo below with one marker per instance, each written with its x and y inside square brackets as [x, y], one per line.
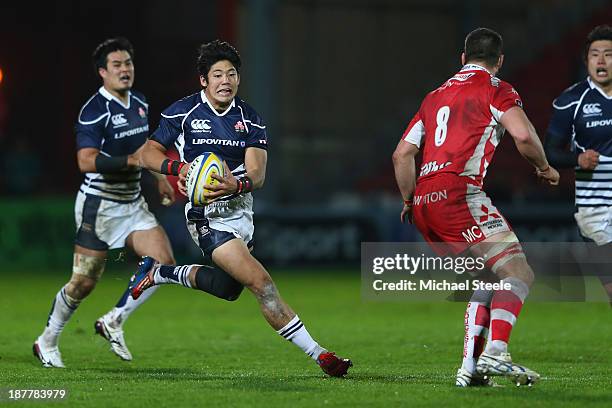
[239, 126]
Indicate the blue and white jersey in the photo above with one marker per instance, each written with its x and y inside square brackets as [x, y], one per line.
[195, 127]
[105, 123]
[582, 118]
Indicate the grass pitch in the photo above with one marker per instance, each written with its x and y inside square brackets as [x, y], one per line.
[194, 350]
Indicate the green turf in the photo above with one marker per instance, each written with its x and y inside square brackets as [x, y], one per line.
[193, 350]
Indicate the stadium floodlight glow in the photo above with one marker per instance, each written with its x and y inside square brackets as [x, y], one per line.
[1, 76]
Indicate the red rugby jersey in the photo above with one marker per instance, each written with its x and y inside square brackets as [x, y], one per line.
[457, 126]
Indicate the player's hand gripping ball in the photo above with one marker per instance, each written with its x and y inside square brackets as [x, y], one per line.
[200, 174]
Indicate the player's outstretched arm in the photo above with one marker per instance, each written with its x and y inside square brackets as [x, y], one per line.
[90, 160]
[528, 143]
[556, 151]
[405, 174]
[255, 161]
[558, 139]
[152, 155]
[555, 147]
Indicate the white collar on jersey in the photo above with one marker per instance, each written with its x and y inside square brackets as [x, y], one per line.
[593, 85]
[474, 67]
[112, 97]
[205, 100]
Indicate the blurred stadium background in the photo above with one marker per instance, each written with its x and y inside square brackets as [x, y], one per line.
[336, 80]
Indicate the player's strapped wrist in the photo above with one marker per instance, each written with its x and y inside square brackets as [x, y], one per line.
[544, 170]
[408, 201]
[171, 167]
[245, 184]
[106, 164]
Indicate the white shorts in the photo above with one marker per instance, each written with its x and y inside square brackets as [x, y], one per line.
[219, 222]
[595, 223]
[103, 224]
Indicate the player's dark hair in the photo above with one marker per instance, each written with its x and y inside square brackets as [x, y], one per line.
[483, 44]
[211, 53]
[601, 32]
[101, 52]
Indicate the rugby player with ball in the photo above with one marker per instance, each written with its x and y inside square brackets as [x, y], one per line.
[225, 142]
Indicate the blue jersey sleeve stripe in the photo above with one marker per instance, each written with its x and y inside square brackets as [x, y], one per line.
[91, 122]
[146, 105]
[174, 116]
[564, 106]
[580, 101]
[185, 118]
[255, 124]
[244, 120]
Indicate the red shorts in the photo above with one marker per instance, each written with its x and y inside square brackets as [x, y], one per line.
[449, 209]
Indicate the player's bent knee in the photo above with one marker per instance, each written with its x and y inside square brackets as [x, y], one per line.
[229, 288]
[80, 286]
[86, 271]
[505, 258]
[218, 283]
[502, 252]
[260, 284]
[516, 267]
[91, 267]
[231, 292]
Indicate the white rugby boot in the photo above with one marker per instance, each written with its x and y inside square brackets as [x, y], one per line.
[114, 337]
[50, 357]
[502, 365]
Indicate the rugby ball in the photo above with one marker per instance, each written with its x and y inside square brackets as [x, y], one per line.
[200, 174]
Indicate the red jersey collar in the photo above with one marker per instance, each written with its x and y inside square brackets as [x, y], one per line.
[474, 67]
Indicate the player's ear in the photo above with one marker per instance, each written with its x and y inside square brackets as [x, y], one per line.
[463, 58]
[203, 81]
[102, 72]
[500, 62]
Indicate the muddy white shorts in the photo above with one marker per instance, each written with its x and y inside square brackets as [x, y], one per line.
[595, 223]
[215, 224]
[104, 224]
